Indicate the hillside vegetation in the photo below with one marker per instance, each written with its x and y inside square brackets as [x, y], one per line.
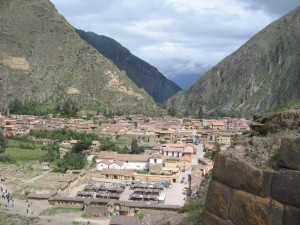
[45, 63]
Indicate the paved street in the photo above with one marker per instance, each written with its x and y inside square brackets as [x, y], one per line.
[199, 154]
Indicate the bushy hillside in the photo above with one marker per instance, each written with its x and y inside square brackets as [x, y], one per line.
[44, 61]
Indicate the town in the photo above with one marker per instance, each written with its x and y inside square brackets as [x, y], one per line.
[175, 157]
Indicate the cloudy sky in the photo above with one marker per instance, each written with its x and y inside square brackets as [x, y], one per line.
[181, 38]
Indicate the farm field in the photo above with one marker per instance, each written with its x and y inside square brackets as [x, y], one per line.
[24, 151]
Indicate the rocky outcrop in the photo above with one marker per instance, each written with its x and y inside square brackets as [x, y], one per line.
[270, 123]
[242, 194]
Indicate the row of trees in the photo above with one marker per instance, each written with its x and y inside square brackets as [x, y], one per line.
[62, 134]
[135, 148]
[66, 108]
[28, 108]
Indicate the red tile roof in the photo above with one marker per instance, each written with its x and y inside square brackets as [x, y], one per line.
[132, 157]
[186, 158]
[107, 155]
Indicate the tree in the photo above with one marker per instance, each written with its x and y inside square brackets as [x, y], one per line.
[71, 161]
[53, 152]
[172, 111]
[2, 142]
[16, 106]
[125, 149]
[134, 145]
[84, 144]
[217, 146]
[135, 148]
[68, 108]
[108, 145]
[216, 150]
[200, 113]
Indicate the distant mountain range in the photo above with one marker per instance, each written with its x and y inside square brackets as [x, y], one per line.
[45, 62]
[140, 72]
[262, 74]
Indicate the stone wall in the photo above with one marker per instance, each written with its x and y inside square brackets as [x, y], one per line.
[241, 194]
[96, 210]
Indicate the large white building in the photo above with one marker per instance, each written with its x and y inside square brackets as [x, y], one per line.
[113, 160]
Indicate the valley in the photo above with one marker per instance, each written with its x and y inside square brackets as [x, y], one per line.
[92, 134]
[171, 161]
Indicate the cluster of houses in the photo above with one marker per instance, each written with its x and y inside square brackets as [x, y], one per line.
[165, 129]
[167, 159]
[170, 140]
[170, 149]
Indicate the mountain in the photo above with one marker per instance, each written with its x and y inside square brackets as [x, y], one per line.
[261, 74]
[43, 60]
[140, 72]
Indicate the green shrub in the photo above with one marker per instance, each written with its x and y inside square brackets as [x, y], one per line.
[7, 159]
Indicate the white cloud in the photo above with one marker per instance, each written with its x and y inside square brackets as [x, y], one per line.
[179, 37]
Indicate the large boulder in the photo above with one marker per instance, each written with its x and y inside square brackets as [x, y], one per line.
[286, 187]
[210, 219]
[291, 215]
[289, 154]
[218, 199]
[240, 175]
[248, 209]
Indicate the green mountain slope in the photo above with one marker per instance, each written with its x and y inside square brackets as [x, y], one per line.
[263, 73]
[140, 72]
[43, 59]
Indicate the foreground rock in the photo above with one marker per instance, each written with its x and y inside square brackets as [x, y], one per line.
[258, 182]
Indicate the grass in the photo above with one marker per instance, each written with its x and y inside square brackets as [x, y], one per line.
[87, 215]
[194, 209]
[59, 210]
[8, 219]
[285, 106]
[141, 171]
[195, 205]
[24, 155]
[76, 223]
[141, 216]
